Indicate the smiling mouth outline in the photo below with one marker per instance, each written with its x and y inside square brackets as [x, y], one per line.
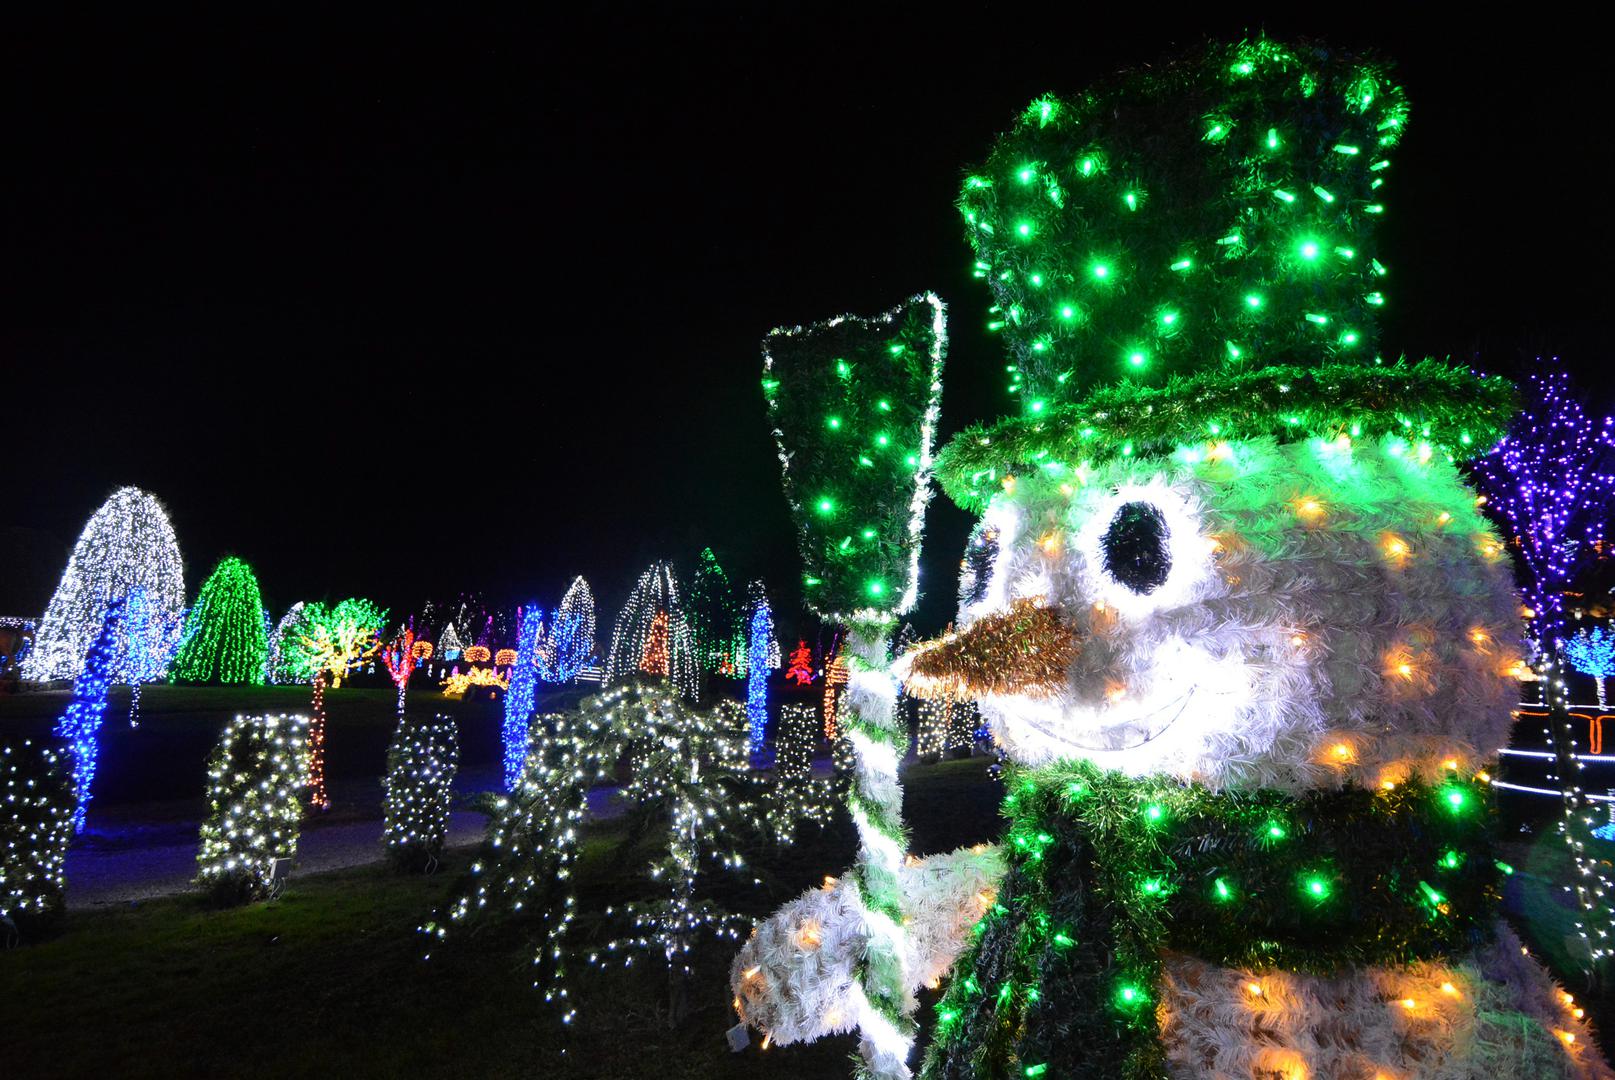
[1176, 707]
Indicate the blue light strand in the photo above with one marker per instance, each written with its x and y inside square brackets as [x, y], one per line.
[757, 667]
[523, 693]
[80, 725]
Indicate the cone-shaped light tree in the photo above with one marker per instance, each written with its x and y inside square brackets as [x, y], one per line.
[224, 639]
[567, 644]
[127, 544]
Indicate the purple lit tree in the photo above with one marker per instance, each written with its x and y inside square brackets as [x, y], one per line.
[1550, 484]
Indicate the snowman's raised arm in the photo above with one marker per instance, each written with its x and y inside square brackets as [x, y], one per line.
[796, 978]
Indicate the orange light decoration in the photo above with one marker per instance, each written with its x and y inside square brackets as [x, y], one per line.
[504, 658]
[318, 796]
[1395, 548]
[654, 659]
[835, 678]
[459, 682]
[1308, 509]
[476, 654]
[422, 650]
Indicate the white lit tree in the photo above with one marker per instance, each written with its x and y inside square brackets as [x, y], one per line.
[127, 544]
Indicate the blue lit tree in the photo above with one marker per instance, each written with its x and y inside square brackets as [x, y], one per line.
[1592, 652]
[80, 725]
[147, 638]
[523, 692]
[762, 655]
[1551, 484]
[567, 645]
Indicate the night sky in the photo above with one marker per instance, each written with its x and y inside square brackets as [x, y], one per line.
[398, 309]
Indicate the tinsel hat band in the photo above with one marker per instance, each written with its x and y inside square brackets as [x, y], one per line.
[1109, 872]
[1435, 407]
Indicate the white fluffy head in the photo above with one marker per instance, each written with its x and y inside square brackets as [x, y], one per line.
[1255, 614]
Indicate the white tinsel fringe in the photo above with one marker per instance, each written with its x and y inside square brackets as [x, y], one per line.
[794, 978]
[1494, 1016]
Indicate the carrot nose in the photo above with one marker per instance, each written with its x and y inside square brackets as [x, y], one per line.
[1024, 650]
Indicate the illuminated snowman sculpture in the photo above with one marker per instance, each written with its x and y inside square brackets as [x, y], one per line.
[1244, 636]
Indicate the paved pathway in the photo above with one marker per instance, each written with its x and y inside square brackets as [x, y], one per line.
[139, 851]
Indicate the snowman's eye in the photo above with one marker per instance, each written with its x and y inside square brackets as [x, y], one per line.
[976, 569]
[1135, 548]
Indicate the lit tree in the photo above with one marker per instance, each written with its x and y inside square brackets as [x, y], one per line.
[1592, 652]
[80, 725]
[324, 644]
[420, 774]
[224, 639]
[127, 544]
[278, 663]
[36, 828]
[762, 656]
[712, 610]
[255, 773]
[523, 693]
[801, 669]
[399, 658]
[654, 609]
[568, 643]
[147, 639]
[1551, 485]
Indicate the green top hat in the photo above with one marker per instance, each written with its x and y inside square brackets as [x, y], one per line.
[1188, 252]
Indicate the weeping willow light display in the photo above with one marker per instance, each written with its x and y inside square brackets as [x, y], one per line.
[854, 403]
[224, 639]
[689, 765]
[712, 616]
[80, 726]
[652, 636]
[421, 763]
[255, 776]
[567, 644]
[36, 826]
[523, 693]
[147, 638]
[127, 544]
[321, 646]
[278, 664]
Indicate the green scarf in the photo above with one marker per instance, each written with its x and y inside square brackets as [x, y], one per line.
[1107, 872]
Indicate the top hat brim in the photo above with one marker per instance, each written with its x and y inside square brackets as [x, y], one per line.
[1450, 410]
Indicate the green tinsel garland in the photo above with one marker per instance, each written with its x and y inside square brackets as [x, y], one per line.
[1108, 871]
[1455, 411]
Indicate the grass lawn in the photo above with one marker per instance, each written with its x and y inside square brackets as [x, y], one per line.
[329, 978]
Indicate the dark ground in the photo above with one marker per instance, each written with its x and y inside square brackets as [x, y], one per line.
[329, 979]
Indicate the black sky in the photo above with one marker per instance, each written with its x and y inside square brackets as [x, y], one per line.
[418, 305]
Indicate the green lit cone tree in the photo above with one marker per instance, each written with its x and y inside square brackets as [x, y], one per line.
[1232, 616]
[224, 639]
